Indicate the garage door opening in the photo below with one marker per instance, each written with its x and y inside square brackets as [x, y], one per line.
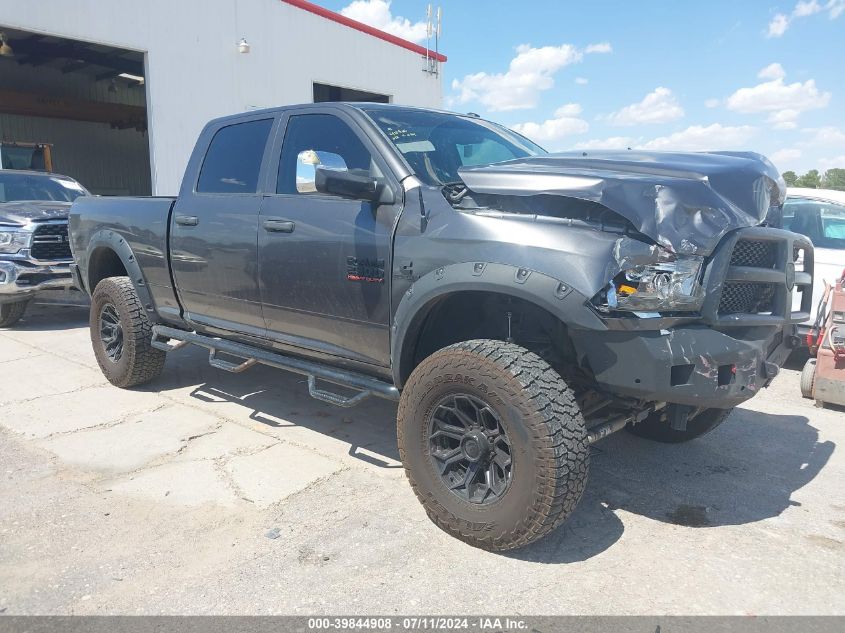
[326, 92]
[81, 104]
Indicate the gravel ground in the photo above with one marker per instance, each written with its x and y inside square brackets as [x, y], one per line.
[212, 493]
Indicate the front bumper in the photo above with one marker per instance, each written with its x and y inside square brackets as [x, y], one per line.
[21, 280]
[695, 365]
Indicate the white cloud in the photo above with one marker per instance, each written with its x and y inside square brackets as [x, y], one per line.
[712, 103]
[565, 122]
[784, 119]
[602, 47]
[784, 158]
[377, 13]
[772, 71]
[614, 142]
[699, 138]
[828, 135]
[529, 73]
[784, 102]
[834, 162]
[779, 24]
[582, 81]
[659, 106]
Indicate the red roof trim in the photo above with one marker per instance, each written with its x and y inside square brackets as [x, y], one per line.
[364, 28]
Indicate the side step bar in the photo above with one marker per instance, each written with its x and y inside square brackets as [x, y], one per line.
[365, 385]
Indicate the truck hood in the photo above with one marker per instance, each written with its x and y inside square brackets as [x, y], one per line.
[684, 201]
[25, 211]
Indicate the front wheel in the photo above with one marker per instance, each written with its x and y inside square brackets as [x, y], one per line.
[11, 313]
[656, 427]
[493, 443]
[121, 334]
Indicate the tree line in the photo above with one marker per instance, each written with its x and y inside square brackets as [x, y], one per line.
[832, 179]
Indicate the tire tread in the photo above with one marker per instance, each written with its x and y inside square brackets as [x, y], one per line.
[555, 423]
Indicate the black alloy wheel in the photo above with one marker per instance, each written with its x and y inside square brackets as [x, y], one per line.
[111, 332]
[470, 449]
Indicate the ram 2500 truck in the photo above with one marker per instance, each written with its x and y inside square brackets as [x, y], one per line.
[518, 305]
[34, 249]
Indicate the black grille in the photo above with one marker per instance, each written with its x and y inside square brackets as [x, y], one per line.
[746, 298]
[50, 241]
[755, 253]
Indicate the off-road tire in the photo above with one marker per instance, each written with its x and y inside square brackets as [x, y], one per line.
[808, 378]
[11, 313]
[656, 428]
[538, 412]
[139, 362]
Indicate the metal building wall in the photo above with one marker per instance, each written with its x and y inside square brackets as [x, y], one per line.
[195, 73]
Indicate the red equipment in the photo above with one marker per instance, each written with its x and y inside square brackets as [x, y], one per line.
[823, 377]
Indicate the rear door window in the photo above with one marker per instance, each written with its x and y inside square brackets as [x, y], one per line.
[233, 160]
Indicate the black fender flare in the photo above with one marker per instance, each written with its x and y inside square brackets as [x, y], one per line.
[554, 295]
[114, 241]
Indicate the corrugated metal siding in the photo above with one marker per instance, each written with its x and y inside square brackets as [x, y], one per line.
[51, 81]
[106, 161]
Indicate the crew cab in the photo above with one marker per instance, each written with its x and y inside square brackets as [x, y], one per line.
[34, 250]
[518, 305]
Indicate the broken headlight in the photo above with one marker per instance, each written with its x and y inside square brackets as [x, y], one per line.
[672, 284]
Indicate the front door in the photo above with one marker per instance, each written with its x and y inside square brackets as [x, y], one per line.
[214, 231]
[324, 259]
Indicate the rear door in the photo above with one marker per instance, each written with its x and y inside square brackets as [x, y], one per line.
[214, 228]
[324, 258]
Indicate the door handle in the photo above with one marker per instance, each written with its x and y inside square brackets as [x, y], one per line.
[187, 220]
[279, 226]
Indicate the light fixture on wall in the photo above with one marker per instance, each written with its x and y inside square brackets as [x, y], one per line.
[5, 49]
[243, 46]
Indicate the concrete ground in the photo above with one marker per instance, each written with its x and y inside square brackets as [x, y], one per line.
[207, 492]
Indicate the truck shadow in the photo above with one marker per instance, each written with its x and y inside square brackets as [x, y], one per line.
[743, 472]
[43, 317]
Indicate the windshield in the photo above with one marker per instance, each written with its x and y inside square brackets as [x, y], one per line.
[437, 144]
[821, 221]
[14, 187]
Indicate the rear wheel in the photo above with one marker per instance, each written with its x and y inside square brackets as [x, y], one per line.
[11, 313]
[121, 334]
[808, 378]
[493, 443]
[656, 427]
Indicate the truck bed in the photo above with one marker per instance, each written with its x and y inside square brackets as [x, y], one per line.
[96, 222]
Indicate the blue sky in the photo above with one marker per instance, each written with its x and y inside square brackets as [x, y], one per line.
[764, 75]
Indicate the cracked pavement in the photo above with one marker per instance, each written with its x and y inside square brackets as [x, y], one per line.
[211, 493]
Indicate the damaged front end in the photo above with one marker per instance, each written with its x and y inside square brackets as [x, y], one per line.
[696, 294]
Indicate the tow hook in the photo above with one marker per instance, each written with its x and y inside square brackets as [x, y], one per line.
[678, 415]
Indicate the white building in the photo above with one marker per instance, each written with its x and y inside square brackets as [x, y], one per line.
[121, 88]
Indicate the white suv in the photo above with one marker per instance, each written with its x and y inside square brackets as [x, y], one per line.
[820, 215]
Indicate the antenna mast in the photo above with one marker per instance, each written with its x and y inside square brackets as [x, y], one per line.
[433, 28]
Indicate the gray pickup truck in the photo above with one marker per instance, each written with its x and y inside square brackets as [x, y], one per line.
[34, 249]
[519, 305]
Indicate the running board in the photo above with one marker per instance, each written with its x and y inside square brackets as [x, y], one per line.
[366, 386]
